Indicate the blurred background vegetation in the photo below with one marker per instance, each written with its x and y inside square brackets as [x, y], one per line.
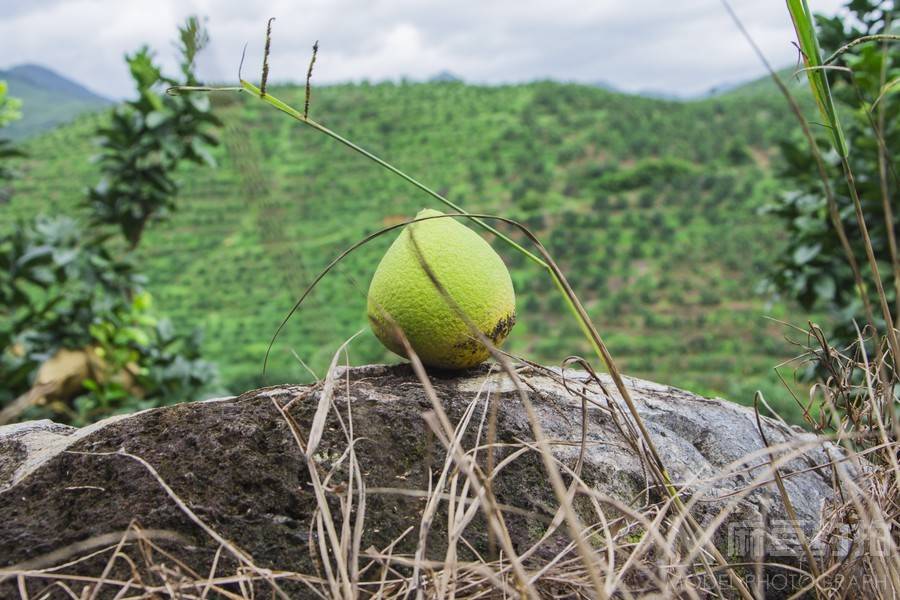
[689, 228]
[79, 334]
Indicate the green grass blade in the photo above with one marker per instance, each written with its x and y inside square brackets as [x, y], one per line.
[804, 25]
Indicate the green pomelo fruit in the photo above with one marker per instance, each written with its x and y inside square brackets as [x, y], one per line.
[468, 270]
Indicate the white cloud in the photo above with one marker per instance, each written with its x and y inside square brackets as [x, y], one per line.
[680, 47]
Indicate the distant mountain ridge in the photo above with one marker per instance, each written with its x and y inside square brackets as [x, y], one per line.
[48, 99]
[47, 79]
[445, 76]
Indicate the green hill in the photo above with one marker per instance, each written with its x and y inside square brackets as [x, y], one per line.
[48, 99]
[764, 87]
[650, 206]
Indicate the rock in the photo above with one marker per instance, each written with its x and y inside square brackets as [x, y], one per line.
[236, 465]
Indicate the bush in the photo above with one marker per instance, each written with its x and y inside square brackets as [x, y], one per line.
[64, 294]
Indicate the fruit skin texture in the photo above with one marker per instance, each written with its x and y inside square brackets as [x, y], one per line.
[469, 271]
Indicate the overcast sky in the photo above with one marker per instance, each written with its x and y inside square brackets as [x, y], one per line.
[676, 46]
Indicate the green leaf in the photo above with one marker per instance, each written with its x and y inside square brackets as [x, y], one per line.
[200, 102]
[142, 302]
[139, 336]
[155, 119]
[203, 153]
[39, 254]
[804, 254]
[825, 287]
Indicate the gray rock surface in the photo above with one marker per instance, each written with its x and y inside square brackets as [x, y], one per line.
[235, 463]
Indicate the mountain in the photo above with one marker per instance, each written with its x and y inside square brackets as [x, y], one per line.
[48, 99]
[605, 85]
[651, 208]
[662, 95]
[445, 76]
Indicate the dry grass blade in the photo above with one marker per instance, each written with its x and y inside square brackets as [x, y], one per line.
[857, 402]
[441, 426]
[331, 545]
[885, 37]
[434, 498]
[144, 538]
[786, 499]
[50, 562]
[325, 403]
[110, 563]
[237, 553]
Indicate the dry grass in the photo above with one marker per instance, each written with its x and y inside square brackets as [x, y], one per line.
[622, 550]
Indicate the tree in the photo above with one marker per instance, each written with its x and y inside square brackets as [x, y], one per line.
[78, 336]
[149, 137]
[814, 269]
[9, 111]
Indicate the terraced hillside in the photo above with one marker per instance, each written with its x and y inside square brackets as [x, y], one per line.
[650, 206]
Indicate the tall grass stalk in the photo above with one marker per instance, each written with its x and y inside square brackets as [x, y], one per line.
[865, 413]
[804, 26]
[884, 163]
